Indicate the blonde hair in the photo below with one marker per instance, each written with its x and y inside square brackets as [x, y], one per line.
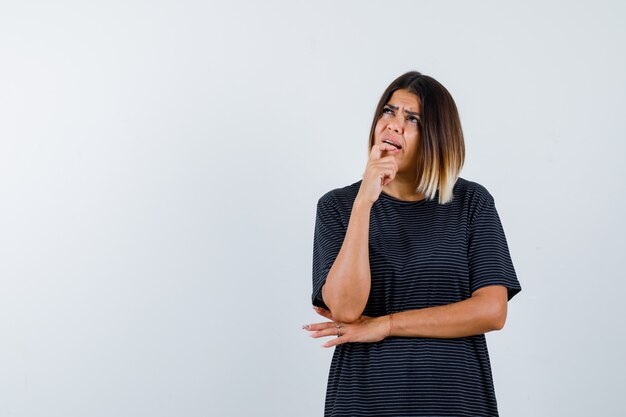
[441, 149]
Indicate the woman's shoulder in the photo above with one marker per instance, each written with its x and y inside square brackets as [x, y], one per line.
[466, 186]
[341, 196]
[466, 191]
[471, 192]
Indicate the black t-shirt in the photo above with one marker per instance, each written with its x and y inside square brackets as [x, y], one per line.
[422, 254]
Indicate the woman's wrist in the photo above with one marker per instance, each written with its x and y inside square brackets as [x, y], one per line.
[390, 320]
[362, 202]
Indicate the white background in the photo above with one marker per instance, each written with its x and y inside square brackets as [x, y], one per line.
[160, 164]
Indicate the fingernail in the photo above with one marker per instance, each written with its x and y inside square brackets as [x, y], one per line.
[305, 326]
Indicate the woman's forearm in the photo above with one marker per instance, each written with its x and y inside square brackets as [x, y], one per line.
[348, 283]
[473, 316]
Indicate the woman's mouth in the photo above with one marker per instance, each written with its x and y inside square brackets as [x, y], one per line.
[390, 142]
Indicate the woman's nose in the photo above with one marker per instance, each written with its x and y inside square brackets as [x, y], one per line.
[395, 125]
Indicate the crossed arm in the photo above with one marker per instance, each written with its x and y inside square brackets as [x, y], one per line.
[484, 311]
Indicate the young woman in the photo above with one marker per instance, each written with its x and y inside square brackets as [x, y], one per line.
[411, 266]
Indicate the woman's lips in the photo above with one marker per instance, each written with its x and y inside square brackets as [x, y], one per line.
[391, 142]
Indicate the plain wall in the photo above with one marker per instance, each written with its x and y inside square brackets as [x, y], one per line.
[160, 164]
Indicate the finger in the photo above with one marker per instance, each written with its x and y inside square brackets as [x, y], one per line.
[335, 342]
[332, 331]
[326, 314]
[387, 177]
[391, 159]
[387, 164]
[378, 149]
[323, 312]
[319, 326]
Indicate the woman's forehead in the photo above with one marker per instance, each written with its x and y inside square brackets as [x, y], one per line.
[406, 99]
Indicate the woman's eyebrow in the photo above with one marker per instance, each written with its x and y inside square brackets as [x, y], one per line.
[412, 113]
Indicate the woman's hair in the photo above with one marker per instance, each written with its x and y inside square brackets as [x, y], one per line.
[441, 149]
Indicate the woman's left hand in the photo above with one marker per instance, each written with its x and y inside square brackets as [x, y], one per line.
[365, 329]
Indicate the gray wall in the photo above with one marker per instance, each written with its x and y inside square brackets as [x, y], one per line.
[160, 164]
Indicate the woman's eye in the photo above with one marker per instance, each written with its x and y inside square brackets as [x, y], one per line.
[387, 109]
[414, 119]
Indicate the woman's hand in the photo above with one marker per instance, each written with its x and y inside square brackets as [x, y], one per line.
[365, 329]
[378, 172]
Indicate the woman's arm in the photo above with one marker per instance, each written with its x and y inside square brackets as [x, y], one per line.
[347, 285]
[483, 312]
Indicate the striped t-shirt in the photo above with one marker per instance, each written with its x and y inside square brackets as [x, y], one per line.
[422, 254]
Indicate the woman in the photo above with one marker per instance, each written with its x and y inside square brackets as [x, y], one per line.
[412, 267]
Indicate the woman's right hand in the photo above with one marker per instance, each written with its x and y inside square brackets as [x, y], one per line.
[378, 173]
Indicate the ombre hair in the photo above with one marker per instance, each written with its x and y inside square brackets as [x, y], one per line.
[441, 148]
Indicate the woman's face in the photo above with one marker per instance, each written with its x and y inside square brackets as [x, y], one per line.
[399, 123]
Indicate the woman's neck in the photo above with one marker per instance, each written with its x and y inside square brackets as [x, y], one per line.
[403, 189]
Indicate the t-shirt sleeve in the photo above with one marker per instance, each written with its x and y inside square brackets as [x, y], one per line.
[327, 240]
[488, 252]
